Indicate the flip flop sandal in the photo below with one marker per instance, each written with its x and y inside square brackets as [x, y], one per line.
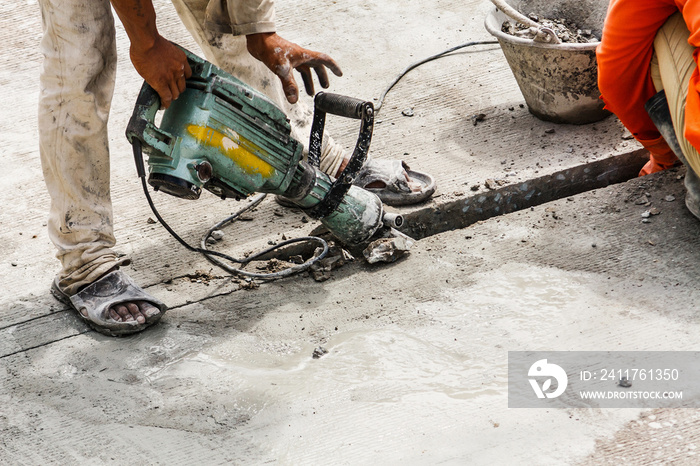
[95, 300]
[393, 188]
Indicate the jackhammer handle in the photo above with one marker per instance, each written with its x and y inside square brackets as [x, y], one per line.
[147, 105]
[148, 97]
[336, 104]
[142, 131]
[348, 107]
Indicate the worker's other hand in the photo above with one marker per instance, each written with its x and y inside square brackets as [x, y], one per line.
[164, 67]
[282, 57]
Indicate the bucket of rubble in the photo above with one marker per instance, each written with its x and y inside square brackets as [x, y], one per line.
[550, 47]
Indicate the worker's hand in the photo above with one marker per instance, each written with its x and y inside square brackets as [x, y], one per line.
[282, 57]
[164, 67]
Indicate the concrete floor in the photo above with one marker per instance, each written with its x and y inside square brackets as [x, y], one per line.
[417, 365]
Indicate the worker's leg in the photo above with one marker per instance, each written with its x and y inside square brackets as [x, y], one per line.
[624, 57]
[675, 67]
[77, 81]
[231, 54]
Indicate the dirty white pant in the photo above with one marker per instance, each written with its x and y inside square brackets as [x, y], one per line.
[77, 83]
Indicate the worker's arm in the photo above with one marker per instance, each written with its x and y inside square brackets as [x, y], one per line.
[282, 57]
[163, 65]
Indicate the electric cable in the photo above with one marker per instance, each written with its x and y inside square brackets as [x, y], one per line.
[380, 102]
[213, 256]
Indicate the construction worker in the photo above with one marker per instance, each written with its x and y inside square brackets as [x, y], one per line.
[77, 83]
[647, 55]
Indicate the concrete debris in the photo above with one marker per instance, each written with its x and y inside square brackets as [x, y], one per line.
[478, 117]
[297, 259]
[272, 265]
[217, 235]
[248, 285]
[388, 249]
[336, 257]
[553, 212]
[566, 31]
[642, 200]
[201, 276]
[670, 198]
[407, 112]
[624, 382]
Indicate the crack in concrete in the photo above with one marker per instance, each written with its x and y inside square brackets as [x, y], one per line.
[466, 211]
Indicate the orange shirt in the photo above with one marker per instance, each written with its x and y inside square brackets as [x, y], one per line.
[690, 9]
[624, 57]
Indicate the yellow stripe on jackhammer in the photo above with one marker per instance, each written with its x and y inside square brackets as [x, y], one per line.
[233, 147]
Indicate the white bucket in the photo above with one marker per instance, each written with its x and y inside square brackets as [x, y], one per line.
[559, 81]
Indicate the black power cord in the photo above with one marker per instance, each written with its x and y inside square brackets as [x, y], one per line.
[380, 102]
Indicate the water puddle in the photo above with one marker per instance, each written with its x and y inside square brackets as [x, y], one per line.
[416, 384]
[458, 349]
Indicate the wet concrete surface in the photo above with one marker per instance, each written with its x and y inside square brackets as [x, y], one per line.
[417, 350]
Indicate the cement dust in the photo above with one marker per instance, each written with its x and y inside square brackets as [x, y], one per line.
[405, 389]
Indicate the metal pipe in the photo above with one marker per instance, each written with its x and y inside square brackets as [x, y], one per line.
[392, 220]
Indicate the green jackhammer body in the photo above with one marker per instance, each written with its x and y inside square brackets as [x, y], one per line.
[223, 136]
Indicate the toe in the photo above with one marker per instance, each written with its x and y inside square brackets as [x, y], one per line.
[119, 313]
[135, 313]
[126, 312]
[148, 310]
[138, 311]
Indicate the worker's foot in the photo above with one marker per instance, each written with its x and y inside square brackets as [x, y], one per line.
[113, 305]
[661, 156]
[657, 164]
[394, 182]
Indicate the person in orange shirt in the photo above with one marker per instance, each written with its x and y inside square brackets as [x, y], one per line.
[648, 56]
